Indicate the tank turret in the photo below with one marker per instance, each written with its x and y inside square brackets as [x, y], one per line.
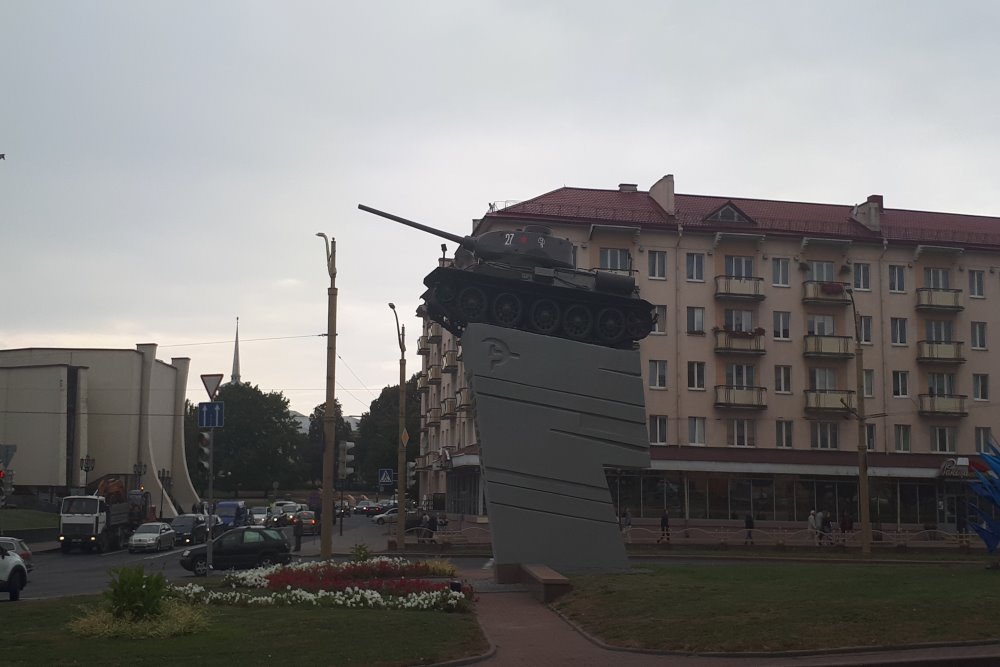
[525, 279]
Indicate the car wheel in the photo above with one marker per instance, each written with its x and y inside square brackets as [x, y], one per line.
[265, 561]
[15, 585]
[380, 521]
[200, 567]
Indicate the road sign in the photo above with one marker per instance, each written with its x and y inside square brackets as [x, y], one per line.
[211, 382]
[385, 475]
[211, 415]
[6, 454]
[405, 437]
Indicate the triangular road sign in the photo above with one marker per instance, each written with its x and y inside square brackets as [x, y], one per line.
[212, 382]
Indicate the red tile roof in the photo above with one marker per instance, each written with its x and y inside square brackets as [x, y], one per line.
[590, 206]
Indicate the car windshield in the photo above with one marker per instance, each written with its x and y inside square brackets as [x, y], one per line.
[183, 523]
[227, 511]
[79, 506]
[148, 528]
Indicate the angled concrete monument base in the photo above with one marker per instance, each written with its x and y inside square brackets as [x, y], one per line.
[551, 414]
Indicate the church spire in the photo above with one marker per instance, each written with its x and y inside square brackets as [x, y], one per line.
[236, 356]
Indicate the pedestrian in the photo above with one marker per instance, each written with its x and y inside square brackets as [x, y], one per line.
[814, 526]
[432, 526]
[827, 529]
[425, 528]
[664, 528]
[297, 531]
[627, 526]
[846, 523]
[748, 524]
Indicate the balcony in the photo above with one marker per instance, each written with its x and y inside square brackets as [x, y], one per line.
[423, 346]
[450, 361]
[434, 374]
[448, 408]
[828, 347]
[829, 401]
[940, 300]
[731, 288]
[747, 398]
[433, 417]
[434, 333]
[464, 399]
[942, 405]
[422, 382]
[825, 293]
[932, 352]
[739, 342]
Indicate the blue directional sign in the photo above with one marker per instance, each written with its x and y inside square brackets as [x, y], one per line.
[211, 415]
[385, 475]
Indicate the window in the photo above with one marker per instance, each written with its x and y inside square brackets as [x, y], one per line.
[615, 259]
[660, 326]
[739, 320]
[779, 272]
[977, 283]
[782, 379]
[938, 331]
[741, 433]
[657, 429]
[658, 264]
[980, 386]
[740, 376]
[940, 384]
[869, 383]
[984, 436]
[897, 278]
[822, 379]
[936, 278]
[696, 430]
[783, 434]
[819, 325]
[738, 266]
[821, 271]
[696, 375]
[870, 437]
[943, 439]
[695, 266]
[862, 276]
[897, 328]
[978, 335]
[782, 325]
[657, 374]
[899, 384]
[865, 328]
[902, 437]
[695, 319]
[824, 435]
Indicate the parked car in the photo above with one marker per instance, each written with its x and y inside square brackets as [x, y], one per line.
[240, 548]
[13, 574]
[259, 515]
[190, 529]
[308, 520]
[20, 547]
[153, 536]
[392, 514]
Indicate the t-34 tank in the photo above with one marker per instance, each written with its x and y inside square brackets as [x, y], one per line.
[526, 280]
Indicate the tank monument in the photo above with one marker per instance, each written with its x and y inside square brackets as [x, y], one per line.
[552, 361]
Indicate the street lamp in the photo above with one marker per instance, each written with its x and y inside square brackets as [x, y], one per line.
[139, 469]
[164, 476]
[864, 509]
[403, 437]
[87, 464]
[329, 418]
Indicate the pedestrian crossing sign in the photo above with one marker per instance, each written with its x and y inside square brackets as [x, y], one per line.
[385, 475]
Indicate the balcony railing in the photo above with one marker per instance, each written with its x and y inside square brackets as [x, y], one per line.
[739, 342]
[434, 333]
[433, 416]
[828, 347]
[434, 374]
[825, 292]
[949, 300]
[450, 361]
[731, 396]
[464, 398]
[943, 405]
[422, 382]
[448, 407]
[739, 289]
[940, 353]
[423, 347]
[829, 400]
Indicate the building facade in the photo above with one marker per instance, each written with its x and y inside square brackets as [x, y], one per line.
[787, 333]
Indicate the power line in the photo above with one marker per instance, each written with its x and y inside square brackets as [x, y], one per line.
[246, 340]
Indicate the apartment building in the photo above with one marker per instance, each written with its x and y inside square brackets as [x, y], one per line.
[786, 333]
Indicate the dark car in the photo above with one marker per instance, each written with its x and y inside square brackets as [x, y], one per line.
[240, 548]
[368, 508]
[308, 520]
[190, 529]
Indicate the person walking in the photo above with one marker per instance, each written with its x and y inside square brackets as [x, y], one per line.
[826, 527]
[748, 524]
[664, 528]
[297, 531]
[814, 526]
[627, 526]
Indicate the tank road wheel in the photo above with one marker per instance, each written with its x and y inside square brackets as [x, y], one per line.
[472, 304]
[507, 309]
[577, 322]
[445, 292]
[544, 316]
[638, 324]
[610, 325]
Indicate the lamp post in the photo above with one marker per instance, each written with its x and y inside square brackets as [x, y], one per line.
[864, 509]
[329, 418]
[87, 464]
[139, 469]
[403, 437]
[164, 476]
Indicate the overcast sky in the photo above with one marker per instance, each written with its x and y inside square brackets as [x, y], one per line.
[168, 164]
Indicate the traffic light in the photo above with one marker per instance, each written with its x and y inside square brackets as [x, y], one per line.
[6, 482]
[204, 455]
[346, 459]
[411, 474]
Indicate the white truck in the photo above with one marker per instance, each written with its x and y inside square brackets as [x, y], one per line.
[102, 521]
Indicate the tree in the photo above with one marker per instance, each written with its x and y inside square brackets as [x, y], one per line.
[312, 453]
[378, 432]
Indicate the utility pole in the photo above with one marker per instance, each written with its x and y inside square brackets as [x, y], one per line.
[864, 509]
[329, 416]
[403, 437]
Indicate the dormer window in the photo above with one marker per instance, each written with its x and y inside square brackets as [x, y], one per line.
[728, 213]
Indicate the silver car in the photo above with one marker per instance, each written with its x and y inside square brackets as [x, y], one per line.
[153, 536]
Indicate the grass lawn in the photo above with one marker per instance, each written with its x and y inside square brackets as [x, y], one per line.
[759, 606]
[22, 519]
[34, 633]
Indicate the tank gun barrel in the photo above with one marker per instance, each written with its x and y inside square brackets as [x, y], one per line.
[462, 241]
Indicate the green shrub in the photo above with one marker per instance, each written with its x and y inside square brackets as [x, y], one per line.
[360, 552]
[177, 618]
[135, 595]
